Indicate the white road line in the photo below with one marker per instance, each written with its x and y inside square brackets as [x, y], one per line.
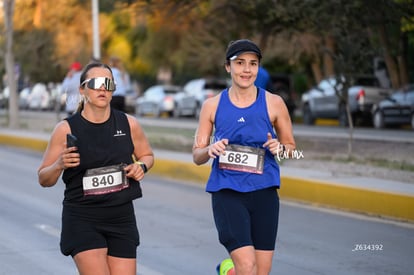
[50, 230]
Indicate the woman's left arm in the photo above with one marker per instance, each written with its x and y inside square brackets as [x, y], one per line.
[142, 148]
[280, 118]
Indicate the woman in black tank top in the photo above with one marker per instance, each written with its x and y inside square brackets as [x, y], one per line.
[102, 155]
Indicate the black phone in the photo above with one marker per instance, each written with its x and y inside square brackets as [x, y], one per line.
[71, 140]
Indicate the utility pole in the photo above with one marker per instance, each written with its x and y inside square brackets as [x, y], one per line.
[95, 26]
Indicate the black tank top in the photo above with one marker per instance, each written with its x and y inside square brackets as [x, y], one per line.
[99, 145]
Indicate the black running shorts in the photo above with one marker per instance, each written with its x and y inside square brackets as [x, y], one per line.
[85, 228]
[244, 219]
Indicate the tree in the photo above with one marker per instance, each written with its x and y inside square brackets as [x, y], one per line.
[8, 6]
[48, 39]
[167, 24]
[391, 29]
[262, 21]
[182, 35]
[349, 43]
[340, 47]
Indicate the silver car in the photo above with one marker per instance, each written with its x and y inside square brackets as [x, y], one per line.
[322, 101]
[188, 102]
[395, 110]
[157, 100]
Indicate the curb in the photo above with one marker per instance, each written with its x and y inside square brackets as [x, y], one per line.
[327, 194]
[23, 142]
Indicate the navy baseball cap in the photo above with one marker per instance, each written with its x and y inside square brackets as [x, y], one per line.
[241, 46]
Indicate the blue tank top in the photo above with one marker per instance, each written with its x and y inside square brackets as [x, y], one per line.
[99, 145]
[249, 127]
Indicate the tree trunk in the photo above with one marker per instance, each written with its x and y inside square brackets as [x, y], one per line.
[263, 41]
[11, 72]
[328, 63]
[402, 60]
[316, 70]
[350, 120]
[351, 131]
[391, 65]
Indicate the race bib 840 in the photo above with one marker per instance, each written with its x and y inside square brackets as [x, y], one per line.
[104, 180]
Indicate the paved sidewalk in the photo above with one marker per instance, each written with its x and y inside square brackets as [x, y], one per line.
[371, 196]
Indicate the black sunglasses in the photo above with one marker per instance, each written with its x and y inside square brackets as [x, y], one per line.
[97, 82]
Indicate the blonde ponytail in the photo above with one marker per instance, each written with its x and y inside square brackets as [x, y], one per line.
[81, 105]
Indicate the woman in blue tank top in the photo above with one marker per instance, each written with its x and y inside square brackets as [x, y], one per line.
[236, 130]
[102, 171]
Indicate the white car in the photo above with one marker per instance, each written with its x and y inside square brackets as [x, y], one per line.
[188, 102]
[23, 98]
[157, 100]
[39, 98]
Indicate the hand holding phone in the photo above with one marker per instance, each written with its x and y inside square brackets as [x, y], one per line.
[71, 140]
[73, 161]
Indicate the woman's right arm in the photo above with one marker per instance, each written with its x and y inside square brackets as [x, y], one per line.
[203, 134]
[52, 164]
[204, 146]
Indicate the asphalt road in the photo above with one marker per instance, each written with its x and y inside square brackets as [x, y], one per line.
[178, 235]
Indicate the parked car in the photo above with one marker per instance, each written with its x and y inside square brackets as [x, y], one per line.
[157, 100]
[23, 98]
[395, 110]
[188, 102]
[4, 97]
[130, 99]
[322, 101]
[39, 98]
[282, 85]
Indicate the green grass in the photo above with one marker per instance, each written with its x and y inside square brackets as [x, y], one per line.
[175, 139]
[180, 139]
[397, 165]
[186, 133]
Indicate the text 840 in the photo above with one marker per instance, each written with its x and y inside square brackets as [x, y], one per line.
[103, 180]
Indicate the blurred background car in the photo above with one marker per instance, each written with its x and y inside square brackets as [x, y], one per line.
[131, 96]
[157, 100]
[130, 99]
[4, 97]
[188, 102]
[322, 101]
[395, 110]
[23, 98]
[40, 98]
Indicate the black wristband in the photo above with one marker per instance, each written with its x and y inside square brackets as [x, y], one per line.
[144, 167]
